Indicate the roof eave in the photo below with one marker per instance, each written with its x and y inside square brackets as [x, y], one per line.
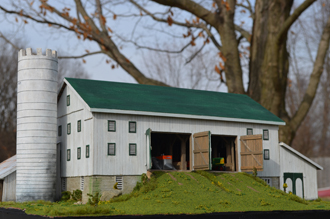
[7, 167]
[8, 172]
[146, 113]
[66, 83]
[300, 155]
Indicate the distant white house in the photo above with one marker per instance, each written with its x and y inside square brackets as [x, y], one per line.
[108, 132]
[298, 172]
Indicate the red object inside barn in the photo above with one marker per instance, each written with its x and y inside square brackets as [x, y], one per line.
[324, 192]
[164, 157]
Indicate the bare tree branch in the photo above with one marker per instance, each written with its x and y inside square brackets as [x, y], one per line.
[78, 16]
[249, 8]
[189, 25]
[199, 25]
[314, 79]
[195, 54]
[101, 17]
[81, 56]
[215, 42]
[8, 41]
[84, 14]
[293, 17]
[154, 49]
[244, 33]
[44, 21]
[194, 8]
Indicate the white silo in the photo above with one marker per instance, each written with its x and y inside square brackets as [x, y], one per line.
[36, 125]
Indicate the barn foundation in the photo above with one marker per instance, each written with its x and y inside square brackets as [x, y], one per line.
[93, 184]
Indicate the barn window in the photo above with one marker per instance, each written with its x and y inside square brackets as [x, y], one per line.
[68, 155]
[132, 149]
[249, 131]
[266, 154]
[265, 134]
[112, 149]
[68, 100]
[87, 151]
[79, 153]
[60, 130]
[111, 126]
[79, 126]
[69, 128]
[268, 181]
[132, 127]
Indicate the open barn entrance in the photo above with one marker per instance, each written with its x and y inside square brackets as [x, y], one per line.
[174, 146]
[224, 152]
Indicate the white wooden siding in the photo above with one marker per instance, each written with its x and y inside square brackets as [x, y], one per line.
[77, 110]
[291, 163]
[123, 164]
[9, 188]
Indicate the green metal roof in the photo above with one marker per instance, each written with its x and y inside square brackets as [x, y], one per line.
[148, 98]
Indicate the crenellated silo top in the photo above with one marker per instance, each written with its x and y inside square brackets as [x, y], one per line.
[29, 61]
[27, 54]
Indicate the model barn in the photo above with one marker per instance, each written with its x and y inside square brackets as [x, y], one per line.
[113, 130]
[91, 134]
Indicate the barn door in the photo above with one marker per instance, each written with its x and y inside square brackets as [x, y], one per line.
[297, 183]
[251, 153]
[148, 135]
[202, 147]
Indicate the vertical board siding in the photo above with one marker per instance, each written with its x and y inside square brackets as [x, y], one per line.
[271, 166]
[251, 146]
[123, 164]
[77, 110]
[95, 134]
[9, 188]
[202, 150]
[291, 163]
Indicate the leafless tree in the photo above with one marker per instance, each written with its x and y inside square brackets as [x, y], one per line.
[71, 69]
[8, 83]
[176, 70]
[260, 38]
[312, 137]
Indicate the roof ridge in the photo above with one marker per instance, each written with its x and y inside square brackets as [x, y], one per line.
[137, 84]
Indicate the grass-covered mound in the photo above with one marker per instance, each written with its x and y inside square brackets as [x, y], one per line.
[188, 193]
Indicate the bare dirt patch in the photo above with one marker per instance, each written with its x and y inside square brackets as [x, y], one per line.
[191, 177]
[252, 189]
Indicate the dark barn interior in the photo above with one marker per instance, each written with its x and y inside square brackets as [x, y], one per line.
[174, 144]
[224, 147]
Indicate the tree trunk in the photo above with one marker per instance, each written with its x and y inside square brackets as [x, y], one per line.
[268, 72]
[226, 29]
[267, 82]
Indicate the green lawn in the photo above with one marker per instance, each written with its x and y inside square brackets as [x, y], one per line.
[188, 193]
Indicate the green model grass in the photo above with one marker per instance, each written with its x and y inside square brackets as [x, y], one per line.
[184, 193]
